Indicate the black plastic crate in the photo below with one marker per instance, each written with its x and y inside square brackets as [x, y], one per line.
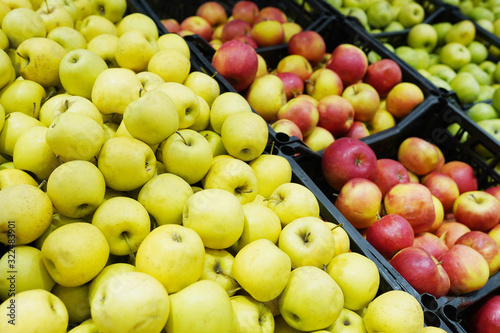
[389, 277]
[460, 145]
[303, 12]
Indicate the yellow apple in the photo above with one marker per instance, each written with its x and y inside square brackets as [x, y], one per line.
[23, 96]
[217, 267]
[20, 24]
[203, 85]
[135, 49]
[54, 16]
[95, 25]
[114, 10]
[174, 41]
[342, 240]
[224, 105]
[25, 213]
[149, 80]
[348, 322]
[137, 21]
[15, 176]
[186, 102]
[105, 46]
[202, 121]
[170, 64]
[76, 301]
[252, 315]
[69, 38]
[266, 95]
[66, 102]
[6, 69]
[271, 171]
[108, 272]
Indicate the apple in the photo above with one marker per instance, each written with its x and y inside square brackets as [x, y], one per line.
[455, 55]
[484, 244]
[224, 105]
[319, 139]
[431, 243]
[347, 158]
[347, 321]
[266, 95]
[336, 114]
[296, 64]
[381, 235]
[270, 13]
[418, 155]
[414, 202]
[309, 44]
[251, 314]
[248, 40]
[287, 127]
[462, 173]
[478, 210]
[388, 173]
[324, 82]
[358, 130]
[302, 112]
[268, 33]
[245, 10]
[171, 24]
[379, 14]
[403, 98]
[292, 84]
[450, 231]
[349, 62]
[213, 12]
[290, 29]
[271, 171]
[197, 25]
[364, 99]
[467, 269]
[236, 62]
[485, 317]
[20, 24]
[360, 201]
[383, 75]
[422, 271]
[411, 13]
[235, 28]
[95, 25]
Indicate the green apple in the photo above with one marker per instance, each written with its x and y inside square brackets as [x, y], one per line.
[411, 13]
[54, 16]
[95, 25]
[394, 26]
[225, 104]
[252, 315]
[348, 322]
[114, 10]
[39, 59]
[73, 136]
[407, 54]
[76, 188]
[234, 176]
[34, 310]
[308, 242]
[75, 253]
[485, 93]
[478, 52]
[135, 49]
[362, 4]
[217, 267]
[20, 24]
[441, 30]
[245, 135]
[14, 125]
[439, 82]
[465, 5]
[164, 197]
[481, 76]
[291, 201]
[346, 270]
[357, 13]
[6, 69]
[495, 101]
[30, 272]
[133, 301]
[489, 67]
[422, 36]
[423, 59]
[108, 272]
[215, 142]
[486, 24]
[312, 286]
[479, 12]
[187, 154]
[463, 32]
[466, 87]
[114, 89]
[185, 100]
[24, 96]
[76, 301]
[61, 103]
[173, 254]
[442, 71]
[203, 306]
[271, 172]
[262, 269]
[151, 118]
[33, 154]
[124, 222]
[490, 126]
[203, 85]
[482, 111]
[105, 46]
[78, 71]
[126, 163]
[455, 55]
[379, 14]
[68, 38]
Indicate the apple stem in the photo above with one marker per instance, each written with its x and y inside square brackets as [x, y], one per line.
[43, 182]
[231, 291]
[378, 216]
[47, 5]
[20, 56]
[131, 254]
[337, 225]
[34, 110]
[439, 262]
[272, 148]
[181, 137]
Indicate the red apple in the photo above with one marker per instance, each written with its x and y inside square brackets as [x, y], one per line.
[390, 234]
[270, 13]
[450, 231]
[484, 244]
[431, 243]
[443, 187]
[358, 130]
[495, 233]
[389, 173]
[171, 24]
[467, 269]
[383, 75]
[403, 98]
[247, 40]
[359, 200]
[296, 64]
[324, 82]
[422, 271]
[441, 158]
[349, 62]
[288, 127]
[309, 44]
[486, 318]
[462, 173]
[235, 28]
[268, 33]
[213, 12]
[418, 155]
[336, 114]
[364, 99]
[236, 62]
[494, 191]
[438, 209]
[478, 210]
[302, 112]
[246, 11]
[292, 83]
[197, 25]
[345, 159]
[414, 202]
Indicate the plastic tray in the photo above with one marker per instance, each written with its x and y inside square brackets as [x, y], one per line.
[432, 126]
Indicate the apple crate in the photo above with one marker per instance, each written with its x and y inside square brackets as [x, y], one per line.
[467, 142]
[389, 279]
[303, 12]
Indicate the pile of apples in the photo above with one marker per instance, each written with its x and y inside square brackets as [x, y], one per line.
[423, 213]
[383, 16]
[484, 13]
[135, 195]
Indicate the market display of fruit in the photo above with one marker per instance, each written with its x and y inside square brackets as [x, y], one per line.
[228, 166]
